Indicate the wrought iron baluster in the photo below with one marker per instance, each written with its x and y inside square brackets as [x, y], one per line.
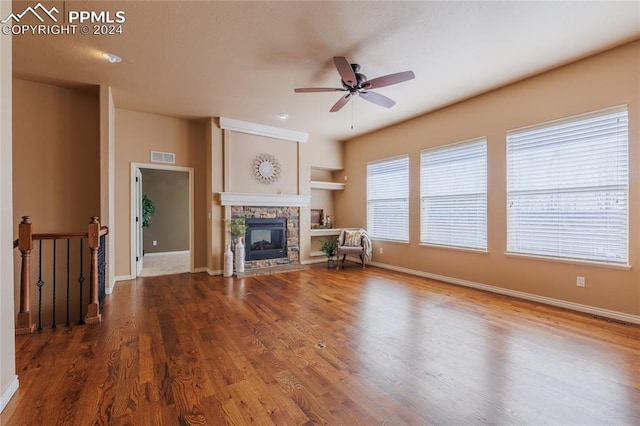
[39, 284]
[67, 324]
[81, 282]
[53, 303]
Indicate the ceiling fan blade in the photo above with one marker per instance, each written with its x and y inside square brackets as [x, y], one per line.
[341, 102]
[346, 72]
[388, 80]
[317, 89]
[378, 99]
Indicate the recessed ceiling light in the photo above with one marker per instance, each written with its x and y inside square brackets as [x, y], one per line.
[114, 59]
[283, 116]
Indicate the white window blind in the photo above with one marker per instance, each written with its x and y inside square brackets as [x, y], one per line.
[453, 195]
[388, 199]
[567, 188]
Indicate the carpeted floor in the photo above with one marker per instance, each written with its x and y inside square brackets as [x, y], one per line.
[154, 264]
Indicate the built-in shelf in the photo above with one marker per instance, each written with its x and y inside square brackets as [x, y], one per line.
[333, 186]
[324, 232]
[317, 253]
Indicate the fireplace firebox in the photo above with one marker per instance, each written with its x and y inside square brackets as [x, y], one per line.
[265, 238]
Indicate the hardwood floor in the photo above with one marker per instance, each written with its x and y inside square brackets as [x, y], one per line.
[320, 346]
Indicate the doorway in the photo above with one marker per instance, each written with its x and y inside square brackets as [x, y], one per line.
[167, 245]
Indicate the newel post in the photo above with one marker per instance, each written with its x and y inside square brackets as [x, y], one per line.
[25, 245]
[93, 240]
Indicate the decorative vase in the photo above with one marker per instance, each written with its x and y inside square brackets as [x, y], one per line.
[240, 254]
[228, 262]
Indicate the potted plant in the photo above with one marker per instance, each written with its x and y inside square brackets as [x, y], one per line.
[329, 248]
[148, 209]
[237, 226]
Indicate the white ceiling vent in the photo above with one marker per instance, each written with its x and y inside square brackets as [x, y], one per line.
[163, 157]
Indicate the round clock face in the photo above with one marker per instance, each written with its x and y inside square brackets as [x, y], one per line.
[266, 168]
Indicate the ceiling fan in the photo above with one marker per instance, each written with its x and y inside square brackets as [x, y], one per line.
[357, 84]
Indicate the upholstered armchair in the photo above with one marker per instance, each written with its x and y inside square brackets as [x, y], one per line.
[354, 241]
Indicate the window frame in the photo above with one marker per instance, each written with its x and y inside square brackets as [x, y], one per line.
[514, 246]
[453, 148]
[405, 199]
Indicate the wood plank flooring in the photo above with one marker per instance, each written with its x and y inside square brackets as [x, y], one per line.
[325, 347]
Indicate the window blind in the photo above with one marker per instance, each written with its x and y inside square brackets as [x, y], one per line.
[567, 188]
[388, 199]
[453, 195]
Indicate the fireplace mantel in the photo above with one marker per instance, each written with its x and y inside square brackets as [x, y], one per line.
[264, 200]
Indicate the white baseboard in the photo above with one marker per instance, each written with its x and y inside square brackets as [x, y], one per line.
[213, 271]
[8, 393]
[201, 269]
[324, 260]
[312, 261]
[620, 316]
[109, 290]
[165, 253]
[123, 277]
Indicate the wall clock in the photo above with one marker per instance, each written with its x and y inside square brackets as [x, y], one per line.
[266, 168]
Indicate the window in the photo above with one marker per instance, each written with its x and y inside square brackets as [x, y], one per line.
[388, 199]
[453, 195]
[567, 188]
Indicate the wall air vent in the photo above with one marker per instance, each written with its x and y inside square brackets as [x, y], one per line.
[163, 157]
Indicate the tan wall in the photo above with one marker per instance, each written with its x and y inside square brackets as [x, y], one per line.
[169, 226]
[608, 79]
[323, 199]
[243, 149]
[8, 378]
[56, 164]
[322, 154]
[137, 134]
[56, 175]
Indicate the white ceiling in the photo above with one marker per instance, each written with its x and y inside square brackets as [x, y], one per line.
[242, 60]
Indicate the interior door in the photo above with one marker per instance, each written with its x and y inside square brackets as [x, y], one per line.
[139, 246]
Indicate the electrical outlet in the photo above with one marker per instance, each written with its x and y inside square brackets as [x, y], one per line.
[580, 281]
[381, 250]
[155, 243]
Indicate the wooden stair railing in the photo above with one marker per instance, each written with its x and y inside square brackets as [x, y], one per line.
[96, 239]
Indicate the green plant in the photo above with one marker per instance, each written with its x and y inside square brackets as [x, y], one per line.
[236, 226]
[329, 248]
[148, 209]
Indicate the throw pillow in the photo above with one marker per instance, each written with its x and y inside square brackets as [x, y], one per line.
[352, 238]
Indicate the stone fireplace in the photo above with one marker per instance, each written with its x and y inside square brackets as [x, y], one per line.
[285, 216]
[261, 179]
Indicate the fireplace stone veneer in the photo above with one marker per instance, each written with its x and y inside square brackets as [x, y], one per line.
[292, 216]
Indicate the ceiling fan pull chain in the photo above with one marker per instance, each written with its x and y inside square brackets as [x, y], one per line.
[352, 107]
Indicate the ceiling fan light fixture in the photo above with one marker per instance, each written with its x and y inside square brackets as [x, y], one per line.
[357, 83]
[113, 59]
